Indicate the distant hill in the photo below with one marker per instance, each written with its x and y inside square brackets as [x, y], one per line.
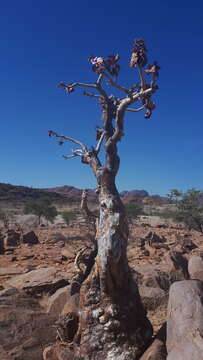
[15, 193]
[140, 193]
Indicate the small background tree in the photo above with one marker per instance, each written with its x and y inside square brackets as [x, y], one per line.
[68, 216]
[134, 209]
[190, 209]
[41, 208]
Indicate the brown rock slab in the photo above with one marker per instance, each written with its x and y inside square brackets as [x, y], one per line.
[3, 354]
[24, 327]
[185, 321]
[45, 280]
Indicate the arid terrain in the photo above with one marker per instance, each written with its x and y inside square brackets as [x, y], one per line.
[37, 266]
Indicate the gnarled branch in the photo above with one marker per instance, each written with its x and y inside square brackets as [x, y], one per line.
[117, 86]
[135, 110]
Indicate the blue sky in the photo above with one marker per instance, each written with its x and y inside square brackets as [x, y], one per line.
[44, 42]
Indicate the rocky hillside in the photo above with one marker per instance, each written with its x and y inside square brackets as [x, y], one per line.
[37, 268]
[15, 193]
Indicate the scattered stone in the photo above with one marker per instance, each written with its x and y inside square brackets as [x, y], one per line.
[56, 237]
[14, 258]
[49, 353]
[184, 242]
[152, 275]
[60, 244]
[1, 245]
[146, 253]
[8, 251]
[27, 257]
[195, 268]
[152, 238]
[30, 238]
[178, 265]
[67, 254]
[152, 298]
[185, 321]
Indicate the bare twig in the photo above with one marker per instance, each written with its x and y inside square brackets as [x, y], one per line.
[69, 156]
[117, 86]
[67, 138]
[92, 95]
[70, 86]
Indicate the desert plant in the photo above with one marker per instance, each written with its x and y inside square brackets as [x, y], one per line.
[112, 321]
[41, 208]
[134, 209]
[190, 209]
[174, 196]
[68, 216]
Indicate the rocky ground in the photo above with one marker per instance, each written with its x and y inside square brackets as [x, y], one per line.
[36, 268]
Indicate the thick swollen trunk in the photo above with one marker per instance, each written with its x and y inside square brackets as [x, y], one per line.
[112, 322]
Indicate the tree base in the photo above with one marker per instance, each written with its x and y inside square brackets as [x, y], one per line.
[111, 328]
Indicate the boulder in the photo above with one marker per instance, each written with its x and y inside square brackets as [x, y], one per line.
[67, 254]
[152, 298]
[152, 275]
[11, 238]
[49, 353]
[39, 281]
[185, 242]
[195, 268]
[185, 321]
[152, 238]
[1, 244]
[30, 238]
[56, 237]
[157, 350]
[24, 328]
[177, 265]
[57, 301]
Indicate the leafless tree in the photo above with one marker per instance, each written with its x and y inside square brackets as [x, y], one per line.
[112, 321]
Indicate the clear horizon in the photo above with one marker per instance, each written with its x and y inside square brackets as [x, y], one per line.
[44, 43]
